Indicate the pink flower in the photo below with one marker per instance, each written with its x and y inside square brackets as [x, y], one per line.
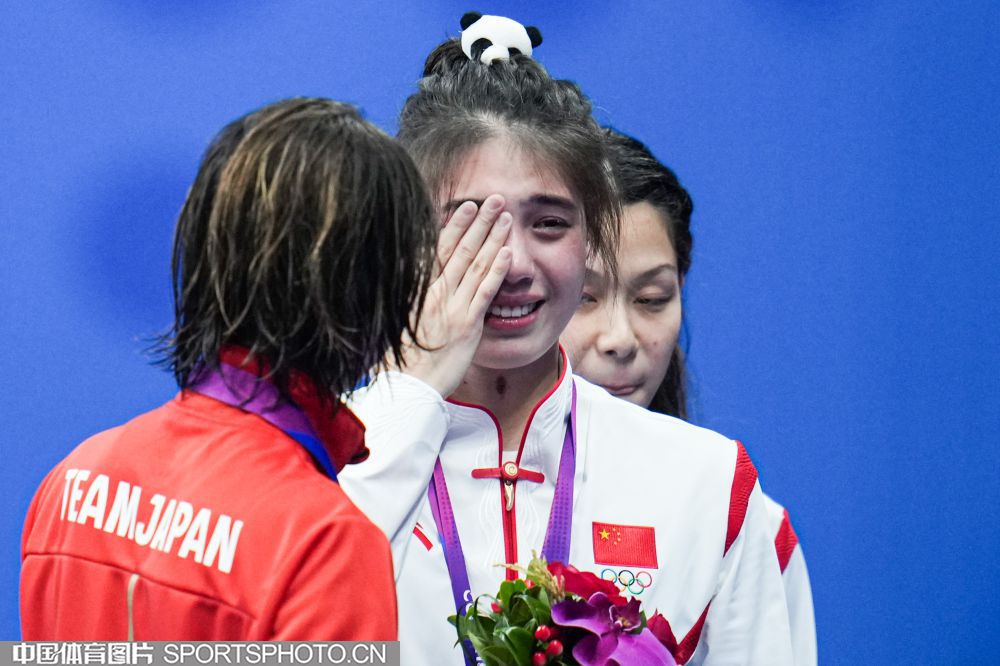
[612, 637]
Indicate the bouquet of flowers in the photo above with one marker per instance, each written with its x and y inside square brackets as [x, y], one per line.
[557, 615]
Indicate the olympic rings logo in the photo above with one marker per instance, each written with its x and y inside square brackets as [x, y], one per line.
[635, 583]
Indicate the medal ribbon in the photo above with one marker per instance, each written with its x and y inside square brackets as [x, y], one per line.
[244, 390]
[555, 548]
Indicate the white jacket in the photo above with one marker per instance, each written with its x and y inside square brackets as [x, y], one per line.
[798, 593]
[725, 605]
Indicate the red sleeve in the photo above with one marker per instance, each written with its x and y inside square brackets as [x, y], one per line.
[342, 588]
[40, 494]
[744, 479]
[785, 541]
[29, 522]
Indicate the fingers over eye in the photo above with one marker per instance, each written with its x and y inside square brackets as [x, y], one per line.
[484, 259]
[476, 235]
[453, 230]
[490, 286]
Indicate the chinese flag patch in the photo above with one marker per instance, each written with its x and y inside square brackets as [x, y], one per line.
[625, 545]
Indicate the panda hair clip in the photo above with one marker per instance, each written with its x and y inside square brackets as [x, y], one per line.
[488, 38]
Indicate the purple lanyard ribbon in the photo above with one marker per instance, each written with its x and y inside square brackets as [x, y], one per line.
[555, 548]
[244, 390]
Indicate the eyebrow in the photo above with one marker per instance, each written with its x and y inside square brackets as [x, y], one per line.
[553, 200]
[649, 274]
[590, 274]
[453, 204]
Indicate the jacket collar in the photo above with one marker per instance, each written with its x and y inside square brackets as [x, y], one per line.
[540, 444]
[339, 431]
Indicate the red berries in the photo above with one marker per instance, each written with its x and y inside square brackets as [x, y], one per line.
[545, 633]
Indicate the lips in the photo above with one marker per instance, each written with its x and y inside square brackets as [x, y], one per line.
[621, 390]
[514, 311]
[513, 318]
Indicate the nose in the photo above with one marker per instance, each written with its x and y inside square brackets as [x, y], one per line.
[522, 265]
[617, 340]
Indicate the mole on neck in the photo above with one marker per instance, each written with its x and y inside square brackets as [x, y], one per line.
[501, 385]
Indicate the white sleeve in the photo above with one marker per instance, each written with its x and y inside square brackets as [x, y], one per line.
[800, 609]
[747, 621]
[406, 422]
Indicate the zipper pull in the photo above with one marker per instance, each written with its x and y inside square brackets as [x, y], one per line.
[508, 492]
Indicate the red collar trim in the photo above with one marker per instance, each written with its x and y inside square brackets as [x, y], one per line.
[538, 405]
[340, 431]
[531, 416]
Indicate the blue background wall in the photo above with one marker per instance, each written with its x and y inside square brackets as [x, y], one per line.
[843, 157]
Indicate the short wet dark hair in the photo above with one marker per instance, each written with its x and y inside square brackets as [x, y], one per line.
[643, 178]
[307, 238]
[462, 103]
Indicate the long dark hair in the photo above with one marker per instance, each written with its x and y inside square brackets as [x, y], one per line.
[461, 103]
[643, 178]
[307, 237]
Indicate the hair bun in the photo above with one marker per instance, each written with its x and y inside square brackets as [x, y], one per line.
[446, 58]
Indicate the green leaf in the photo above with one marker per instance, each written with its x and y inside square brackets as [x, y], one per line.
[459, 622]
[496, 655]
[521, 643]
[507, 589]
[539, 609]
[481, 627]
[520, 613]
[487, 625]
[501, 623]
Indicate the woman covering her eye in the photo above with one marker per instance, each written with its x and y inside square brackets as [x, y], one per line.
[486, 447]
[624, 336]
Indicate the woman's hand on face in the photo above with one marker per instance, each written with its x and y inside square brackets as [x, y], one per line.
[472, 264]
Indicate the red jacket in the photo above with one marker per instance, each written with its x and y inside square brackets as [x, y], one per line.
[199, 521]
